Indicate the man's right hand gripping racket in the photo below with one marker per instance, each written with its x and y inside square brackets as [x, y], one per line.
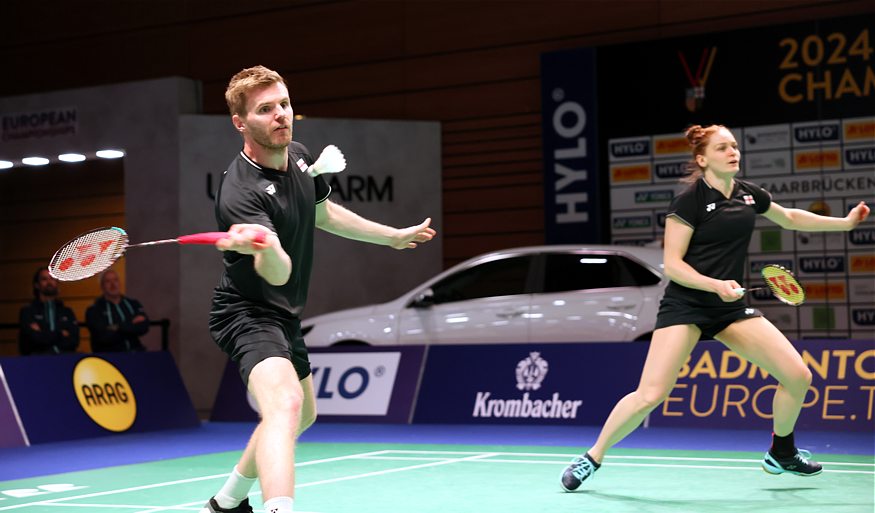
[96, 250]
[782, 284]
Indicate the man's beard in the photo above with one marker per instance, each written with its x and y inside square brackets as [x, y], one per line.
[49, 291]
[264, 140]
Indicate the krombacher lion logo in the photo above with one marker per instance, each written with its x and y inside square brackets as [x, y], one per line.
[104, 394]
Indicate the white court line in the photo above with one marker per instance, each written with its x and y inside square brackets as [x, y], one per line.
[612, 457]
[129, 506]
[167, 483]
[615, 464]
[400, 469]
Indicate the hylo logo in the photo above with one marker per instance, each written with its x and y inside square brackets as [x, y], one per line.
[816, 133]
[104, 394]
[570, 163]
[638, 148]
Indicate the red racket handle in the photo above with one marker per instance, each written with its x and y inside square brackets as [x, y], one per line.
[212, 237]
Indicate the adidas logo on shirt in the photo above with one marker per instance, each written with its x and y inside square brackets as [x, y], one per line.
[710, 206]
[270, 189]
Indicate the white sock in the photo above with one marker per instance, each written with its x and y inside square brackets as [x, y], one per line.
[235, 489]
[278, 505]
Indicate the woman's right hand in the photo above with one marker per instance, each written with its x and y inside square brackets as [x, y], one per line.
[726, 289]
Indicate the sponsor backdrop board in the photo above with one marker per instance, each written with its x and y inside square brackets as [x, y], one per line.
[361, 384]
[67, 397]
[546, 384]
[718, 389]
[800, 100]
[571, 384]
[837, 268]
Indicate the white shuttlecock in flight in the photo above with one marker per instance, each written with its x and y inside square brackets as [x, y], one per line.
[330, 161]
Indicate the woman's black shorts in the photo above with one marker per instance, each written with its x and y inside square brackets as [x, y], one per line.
[710, 319]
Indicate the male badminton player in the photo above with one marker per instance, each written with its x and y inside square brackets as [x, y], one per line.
[707, 232]
[260, 296]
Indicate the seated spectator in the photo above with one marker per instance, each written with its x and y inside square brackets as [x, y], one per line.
[116, 322]
[46, 325]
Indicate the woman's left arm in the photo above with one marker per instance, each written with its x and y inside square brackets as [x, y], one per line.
[805, 221]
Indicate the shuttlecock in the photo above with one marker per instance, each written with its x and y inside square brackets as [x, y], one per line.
[330, 161]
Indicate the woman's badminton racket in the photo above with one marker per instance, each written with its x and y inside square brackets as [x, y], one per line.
[96, 250]
[782, 284]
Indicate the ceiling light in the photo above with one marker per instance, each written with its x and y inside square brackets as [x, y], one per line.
[35, 161]
[5, 164]
[71, 157]
[110, 154]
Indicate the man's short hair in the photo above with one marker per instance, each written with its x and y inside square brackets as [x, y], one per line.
[245, 81]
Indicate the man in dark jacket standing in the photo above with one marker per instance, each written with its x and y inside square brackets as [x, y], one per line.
[46, 325]
[116, 322]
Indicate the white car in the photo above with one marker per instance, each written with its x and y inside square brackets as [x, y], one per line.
[531, 294]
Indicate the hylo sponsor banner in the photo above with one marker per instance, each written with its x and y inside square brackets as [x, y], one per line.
[362, 384]
[572, 207]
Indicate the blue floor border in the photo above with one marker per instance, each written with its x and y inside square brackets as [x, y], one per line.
[212, 437]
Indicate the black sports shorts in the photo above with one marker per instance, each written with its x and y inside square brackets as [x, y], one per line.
[711, 319]
[249, 337]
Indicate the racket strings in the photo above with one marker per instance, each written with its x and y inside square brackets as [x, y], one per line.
[784, 285]
[88, 254]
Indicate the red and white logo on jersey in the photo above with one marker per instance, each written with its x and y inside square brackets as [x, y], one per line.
[303, 165]
[748, 199]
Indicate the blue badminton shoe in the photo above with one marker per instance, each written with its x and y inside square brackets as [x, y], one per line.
[213, 507]
[799, 464]
[581, 468]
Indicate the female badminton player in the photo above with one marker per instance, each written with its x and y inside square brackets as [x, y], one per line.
[707, 231]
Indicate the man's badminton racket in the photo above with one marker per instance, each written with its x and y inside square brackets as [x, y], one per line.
[782, 284]
[96, 250]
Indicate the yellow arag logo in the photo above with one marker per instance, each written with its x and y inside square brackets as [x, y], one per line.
[823, 159]
[859, 130]
[671, 146]
[104, 394]
[634, 173]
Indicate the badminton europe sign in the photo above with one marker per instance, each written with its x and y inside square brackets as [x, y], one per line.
[717, 388]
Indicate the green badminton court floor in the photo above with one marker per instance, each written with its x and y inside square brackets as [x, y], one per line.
[387, 478]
